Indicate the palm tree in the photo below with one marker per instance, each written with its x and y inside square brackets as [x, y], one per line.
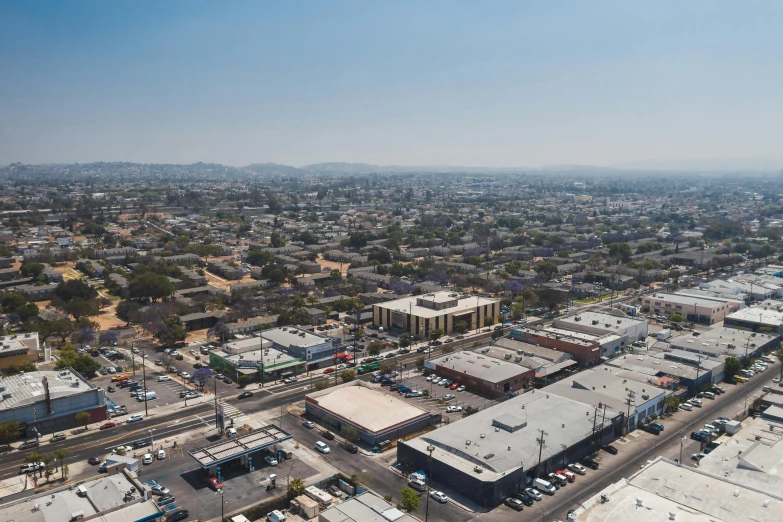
[46, 459]
[296, 487]
[60, 455]
[297, 303]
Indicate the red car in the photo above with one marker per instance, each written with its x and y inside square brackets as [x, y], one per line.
[108, 425]
[454, 386]
[329, 370]
[214, 483]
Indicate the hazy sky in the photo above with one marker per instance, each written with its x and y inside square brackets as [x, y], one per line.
[497, 83]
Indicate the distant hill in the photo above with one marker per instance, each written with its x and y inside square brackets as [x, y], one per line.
[273, 169]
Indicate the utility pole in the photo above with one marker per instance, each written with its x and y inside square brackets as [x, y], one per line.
[133, 359]
[144, 378]
[629, 401]
[541, 442]
[217, 425]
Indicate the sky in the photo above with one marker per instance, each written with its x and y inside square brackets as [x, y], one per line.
[499, 83]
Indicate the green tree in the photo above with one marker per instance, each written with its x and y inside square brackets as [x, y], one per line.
[31, 269]
[74, 288]
[348, 375]
[322, 384]
[405, 340]
[126, 310]
[436, 334]
[296, 487]
[83, 364]
[546, 269]
[621, 251]
[9, 431]
[731, 367]
[349, 433]
[461, 327]
[420, 361]
[677, 318]
[243, 380]
[410, 500]
[259, 257]
[60, 455]
[80, 308]
[150, 285]
[276, 240]
[83, 418]
[171, 333]
[374, 348]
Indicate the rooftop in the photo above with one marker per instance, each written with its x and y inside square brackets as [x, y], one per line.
[365, 406]
[228, 449]
[721, 340]
[366, 507]
[292, 336]
[480, 366]
[686, 300]
[28, 388]
[410, 304]
[484, 439]
[615, 322]
[764, 315]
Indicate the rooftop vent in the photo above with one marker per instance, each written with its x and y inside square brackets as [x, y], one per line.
[639, 502]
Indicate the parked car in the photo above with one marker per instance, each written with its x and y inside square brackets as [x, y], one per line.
[686, 406]
[533, 493]
[57, 437]
[590, 463]
[461, 388]
[439, 496]
[327, 435]
[577, 468]
[269, 459]
[610, 449]
[94, 461]
[163, 501]
[182, 514]
[351, 448]
[214, 483]
[700, 436]
[157, 489]
[308, 424]
[514, 503]
[107, 425]
[453, 409]
[135, 418]
[147, 458]
[449, 397]
[454, 386]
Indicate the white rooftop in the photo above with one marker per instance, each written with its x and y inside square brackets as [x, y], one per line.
[484, 367]
[767, 316]
[409, 304]
[367, 407]
[28, 388]
[292, 336]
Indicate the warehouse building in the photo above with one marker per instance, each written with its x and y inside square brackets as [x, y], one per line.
[48, 401]
[601, 324]
[316, 350]
[252, 356]
[730, 342]
[767, 317]
[585, 349]
[18, 349]
[488, 456]
[482, 374]
[421, 315]
[700, 310]
[376, 415]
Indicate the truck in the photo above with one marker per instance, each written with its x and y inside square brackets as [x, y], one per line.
[664, 334]
[368, 367]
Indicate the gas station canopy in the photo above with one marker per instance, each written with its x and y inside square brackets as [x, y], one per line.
[229, 449]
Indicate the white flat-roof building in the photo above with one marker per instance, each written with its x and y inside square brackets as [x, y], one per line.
[312, 348]
[376, 415]
[420, 315]
[767, 316]
[601, 324]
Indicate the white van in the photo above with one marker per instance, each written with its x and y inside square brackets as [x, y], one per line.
[709, 395]
[276, 516]
[418, 485]
[544, 486]
[321, 446]
[149, 396]
[164, 378]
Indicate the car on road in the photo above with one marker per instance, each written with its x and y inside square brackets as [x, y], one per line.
[609, 449]
[514, 503]
[245, 395]
[163, 501]
[161, 454]
[227, 380]
[439, 496]
[269, 459]
[308, 424]
[329, 370]
[449, 397]
[136, 417]
[289, 380]
[122, 449]
[182, 514]
[57, 437]
[578, 469]
[321, 446]
[327, 435]
[776, 380]
[214, 483]
[533, 493]
[192, 395]
[351, 448]
[147, 458]
[94, 461]
[107, 425]
[453, 409]
[111, 388]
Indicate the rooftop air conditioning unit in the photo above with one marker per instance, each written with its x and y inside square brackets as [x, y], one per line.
[595, 321]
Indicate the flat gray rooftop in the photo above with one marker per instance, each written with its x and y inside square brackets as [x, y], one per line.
[28, 388]
[290, 336]
[489, 369]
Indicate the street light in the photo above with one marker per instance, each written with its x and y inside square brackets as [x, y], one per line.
[152, 439]
[430, 449]
[222, 514]
[682, 441]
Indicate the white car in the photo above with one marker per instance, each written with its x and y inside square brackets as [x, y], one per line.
[161, 455]
[185, 375]
[461, 388]
[776, 380]
[429, 378]
[448, 397]
[578, 469]
[696, 402]
[321, 446]
[686, 406]
[124, 449]
[111, 369]
[134, 418]
[532, 493]
[269, 459]
[164, 378]
[439, 496]
[341, 367]
[147, 458]
[453, 409]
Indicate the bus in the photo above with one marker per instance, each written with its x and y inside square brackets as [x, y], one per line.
[368, 367]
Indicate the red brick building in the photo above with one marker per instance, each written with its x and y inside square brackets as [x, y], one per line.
[585, 352]
[482, 374]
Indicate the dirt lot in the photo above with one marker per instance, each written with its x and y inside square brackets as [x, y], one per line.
[332, 265]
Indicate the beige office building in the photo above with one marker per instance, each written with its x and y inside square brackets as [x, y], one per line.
[422, 314]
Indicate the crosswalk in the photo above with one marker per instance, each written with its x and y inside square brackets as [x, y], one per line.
[232, 412]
